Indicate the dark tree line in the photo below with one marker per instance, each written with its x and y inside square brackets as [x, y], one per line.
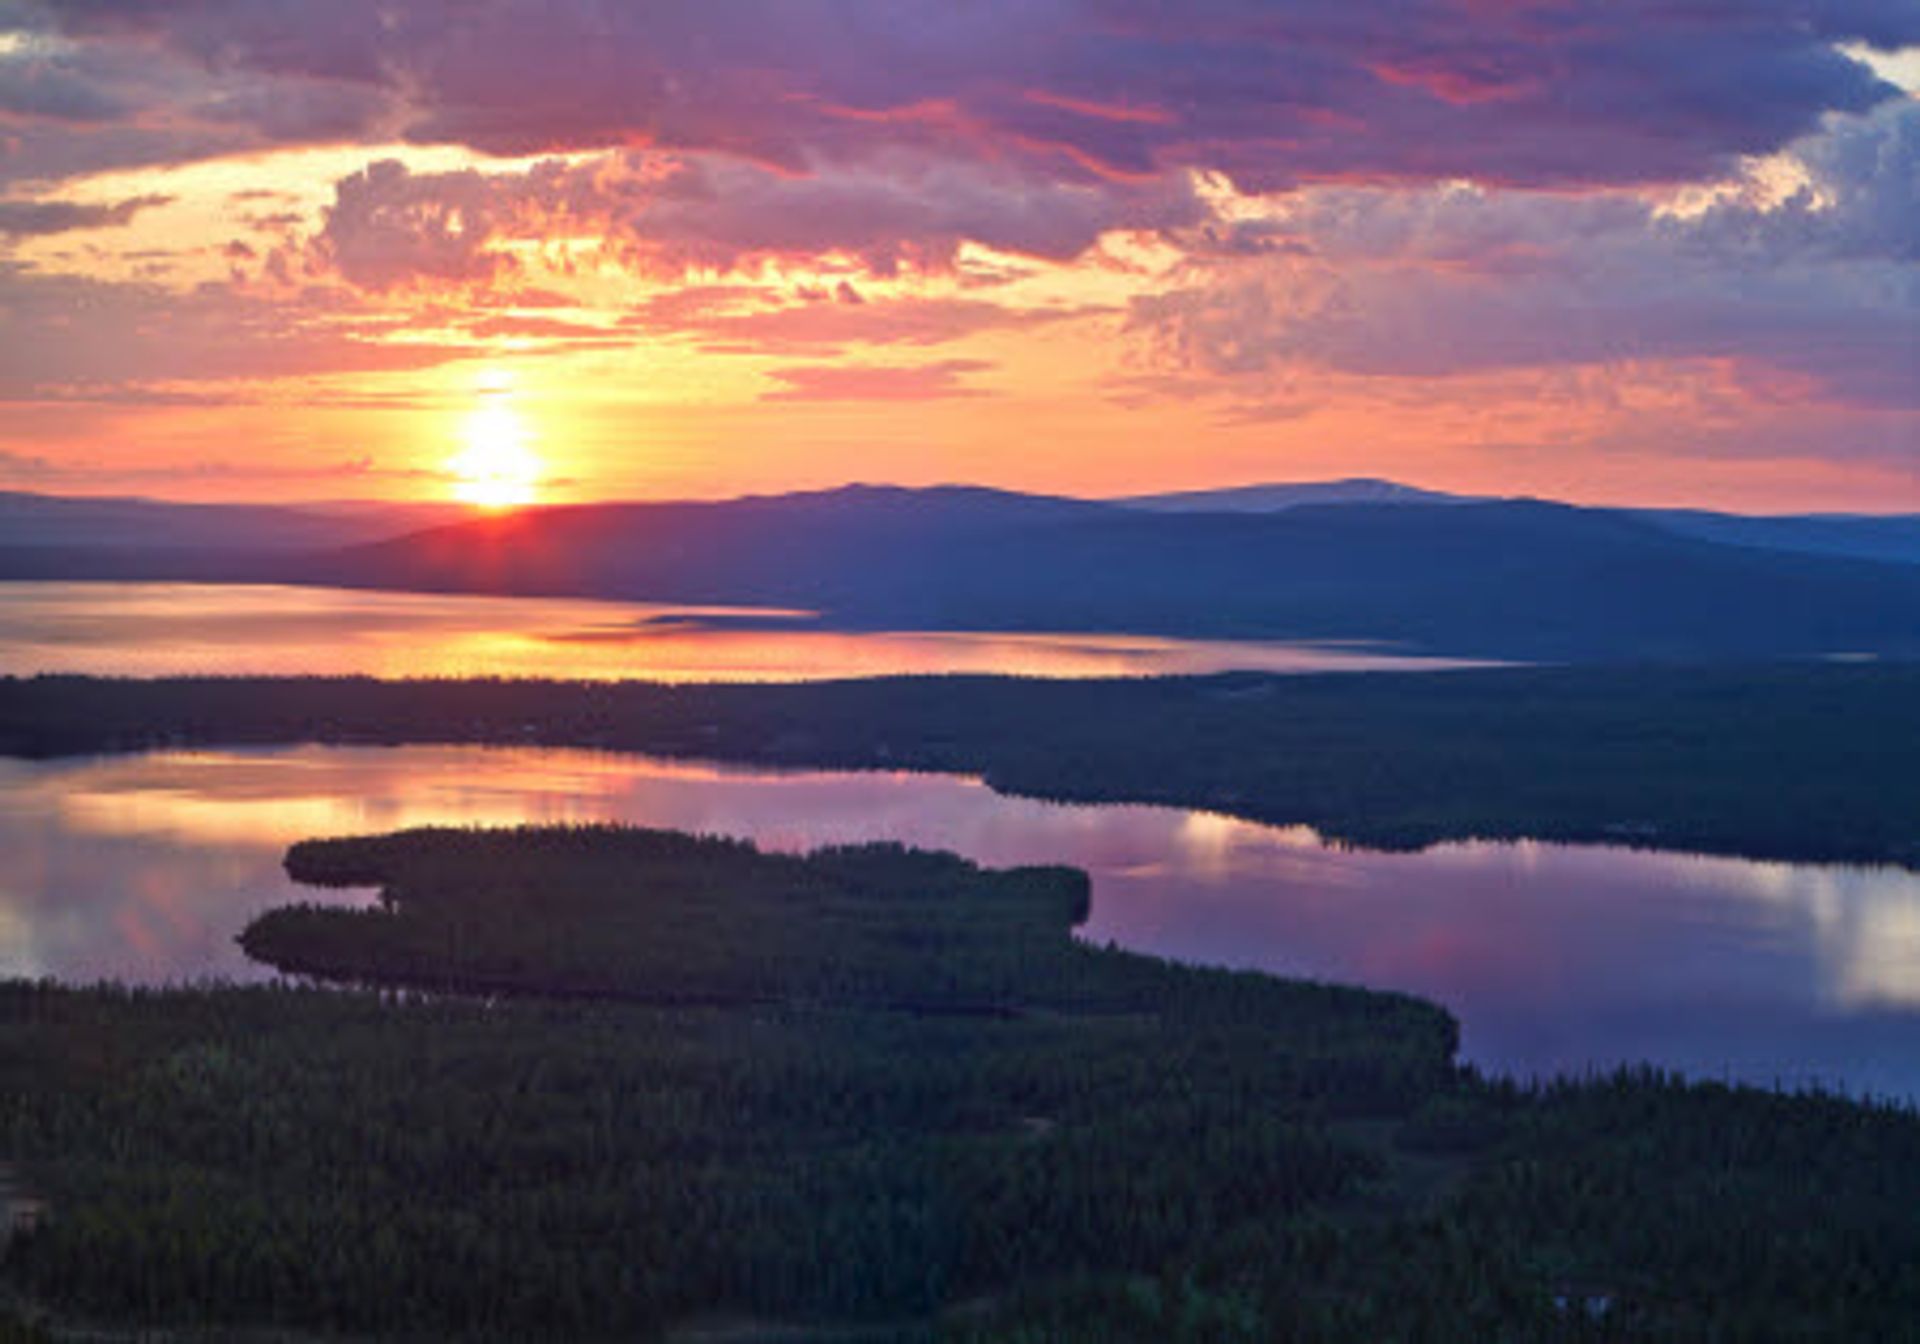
[1791, 761]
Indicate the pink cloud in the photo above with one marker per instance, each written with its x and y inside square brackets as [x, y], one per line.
[58, 332]
[823, 327]
[876, 382]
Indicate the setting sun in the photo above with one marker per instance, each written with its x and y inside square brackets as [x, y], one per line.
[495, 469]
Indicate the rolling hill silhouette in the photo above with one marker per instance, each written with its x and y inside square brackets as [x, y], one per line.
[1521, 579]
[1516, 579]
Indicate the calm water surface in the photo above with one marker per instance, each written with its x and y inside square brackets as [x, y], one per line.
[179, 629]
[1555, 957]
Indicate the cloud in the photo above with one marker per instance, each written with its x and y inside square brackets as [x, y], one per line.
[71, 107]
[534, 327]
[1861, 197]
[1329, 199]
[49, 153]
[253, 473]
[62, 331]
[27, 466]
[747, 323]
[388, 227]
[1814, 293]
[670, 216]
[36, 218]
[1535, 92]
[81, 85]
[901, 210]
[313, 111]
[876, 382]
[742, 134]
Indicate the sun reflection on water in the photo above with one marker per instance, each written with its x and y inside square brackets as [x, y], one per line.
[110, 629]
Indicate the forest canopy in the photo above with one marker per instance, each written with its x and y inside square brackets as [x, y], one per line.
[878, 1093]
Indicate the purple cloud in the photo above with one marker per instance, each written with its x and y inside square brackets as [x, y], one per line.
[670, 215]
[1534, 92]
[1817, 290]
[70, 107]
[37, 218]
[872, 137]
[389, 227]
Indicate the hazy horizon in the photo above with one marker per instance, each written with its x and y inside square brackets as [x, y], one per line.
[454, 508]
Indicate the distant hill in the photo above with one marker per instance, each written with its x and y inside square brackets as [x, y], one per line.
[1517, 579]
[831, 549]
[1891, 537]
[1273, 498]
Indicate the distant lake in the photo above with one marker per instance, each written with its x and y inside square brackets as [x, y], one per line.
[179, 629]
[1555, 957]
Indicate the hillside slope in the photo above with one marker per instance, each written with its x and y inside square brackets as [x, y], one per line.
[1517, 579]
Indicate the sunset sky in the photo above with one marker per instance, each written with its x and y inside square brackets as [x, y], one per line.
[1660, 251]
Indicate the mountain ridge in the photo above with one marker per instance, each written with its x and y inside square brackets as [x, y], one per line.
[1508, 578]
[1265, 497]
[1521, 579]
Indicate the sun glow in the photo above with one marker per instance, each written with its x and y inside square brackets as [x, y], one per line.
[496, 469]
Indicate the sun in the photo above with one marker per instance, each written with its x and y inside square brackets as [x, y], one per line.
[495, 469]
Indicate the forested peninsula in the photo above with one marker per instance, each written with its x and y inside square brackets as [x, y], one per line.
[609, 1083]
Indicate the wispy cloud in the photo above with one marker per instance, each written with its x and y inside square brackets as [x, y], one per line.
[876, 382]
[25, 218]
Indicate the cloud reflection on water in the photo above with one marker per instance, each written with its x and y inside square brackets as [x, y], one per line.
[1555, 957]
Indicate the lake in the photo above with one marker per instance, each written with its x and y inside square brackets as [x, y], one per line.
[1555, 957]
[181, 629]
